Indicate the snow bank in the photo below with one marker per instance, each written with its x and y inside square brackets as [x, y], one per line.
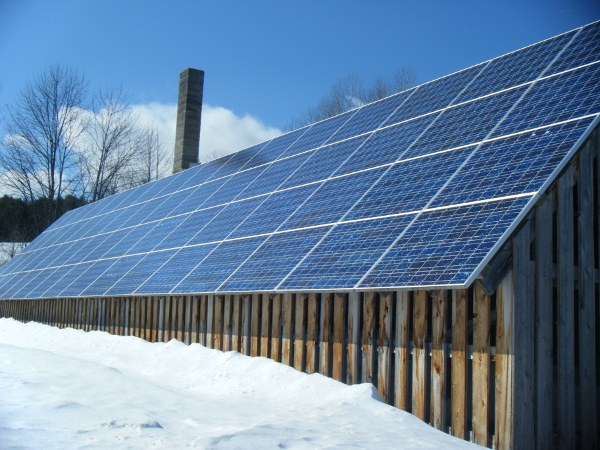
[72, 389]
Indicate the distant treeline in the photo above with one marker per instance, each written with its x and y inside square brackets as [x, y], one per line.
[22, 221]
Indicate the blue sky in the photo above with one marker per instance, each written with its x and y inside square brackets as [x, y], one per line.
[268, 59]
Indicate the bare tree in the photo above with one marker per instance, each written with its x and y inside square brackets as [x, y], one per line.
[152, 160]
[43, 128]
[350, 92]
[108, 146]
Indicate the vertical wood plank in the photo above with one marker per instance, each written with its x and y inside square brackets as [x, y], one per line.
[438, 360]
[523, 337]
[160, 335]
[587, 309]
[459, 363]
[299, 330]
[194, 318]
[368, 338]
[202, 325]
[287, 329]
[187, 321]
[180, 318]
[481, 365]
[402, 351]
[236, 323]
[256, 320]
[420, 311]
[354, 304]
[339, 325]
[210, 311]
[384, 354]
[218, 323]
[264, 326]
[276, 327]
[311, 333]
[544, 323]
[325, 334]
[227, 324]
[566, 314]
[504, 362]
[246, 324]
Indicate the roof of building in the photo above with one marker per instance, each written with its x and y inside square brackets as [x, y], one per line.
[417, 190]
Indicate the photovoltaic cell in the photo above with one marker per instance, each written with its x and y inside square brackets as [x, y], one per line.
[332, 200]
[170, 273]
[145, 267]
[341, 259]
[444, 247]
[562, 97]
[273, 260]
[414, 190]
[408, 186]
[218, 266]
[514, 165]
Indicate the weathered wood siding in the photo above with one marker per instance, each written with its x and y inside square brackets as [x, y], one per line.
[512, 368]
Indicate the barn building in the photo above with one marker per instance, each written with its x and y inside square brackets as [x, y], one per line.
[441, 243]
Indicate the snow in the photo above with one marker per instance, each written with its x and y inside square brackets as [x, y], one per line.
[65, 388]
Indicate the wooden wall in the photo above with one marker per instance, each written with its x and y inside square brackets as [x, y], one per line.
[515, 368]
[429, 352]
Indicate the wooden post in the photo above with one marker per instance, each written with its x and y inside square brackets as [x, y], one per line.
[438, 360]
[264, 326]
[544, 323]
[194, 318]
[587, 310]
[339, 324]
[566, 314]
[246, 324]
[481, 365]
[325, 334]
[503, 437]
[256, 320]
[218, 323]
[402, 352]
[384, 354]
[368, 338]
[420, 312]
[226, 344]
[276, 327]
[236, 323]
[210, 308]
[299, 331]
[523, 335]
[202, 325]
[354, 304]
[459, 363]
[288, 324]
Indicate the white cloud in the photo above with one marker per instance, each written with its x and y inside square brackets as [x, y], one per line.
[222, 131]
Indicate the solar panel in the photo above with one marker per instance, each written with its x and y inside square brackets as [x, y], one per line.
[413, 191]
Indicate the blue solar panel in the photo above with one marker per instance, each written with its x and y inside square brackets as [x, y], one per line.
[332, 200]
[414, 190]
[516, 68]
[145, 267]
[511, 166]
[408, 186]
[169, 274]
[113, 273]
[273, 260]
[562, 97]
[217, 266]
[444, 247]
[342, 258]
[584, 49]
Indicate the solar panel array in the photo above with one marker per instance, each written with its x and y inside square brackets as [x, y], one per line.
[416, 190]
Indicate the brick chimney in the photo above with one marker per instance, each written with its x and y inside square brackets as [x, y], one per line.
[189, 112]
